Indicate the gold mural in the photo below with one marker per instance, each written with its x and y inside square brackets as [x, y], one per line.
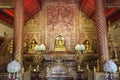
[87, 31]
[114, 40]
[60, 20]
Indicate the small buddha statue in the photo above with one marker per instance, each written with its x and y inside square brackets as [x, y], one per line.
[38, 67]
[94, 69]
[69, 69]
[33, 43]
[79, 68]
[88, 47]
[48, 68]
[10, 46]
[30, 67]
[98, 66]
[59, 44]
[87, 67]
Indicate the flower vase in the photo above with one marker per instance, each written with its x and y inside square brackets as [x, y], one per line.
[110, 77]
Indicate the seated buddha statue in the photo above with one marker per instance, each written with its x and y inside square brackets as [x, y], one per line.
[32, 46]
[59, 43]
[88, 46]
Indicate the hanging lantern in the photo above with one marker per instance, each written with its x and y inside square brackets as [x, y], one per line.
[13, 68]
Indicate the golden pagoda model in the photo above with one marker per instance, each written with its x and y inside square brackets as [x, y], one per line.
[59, 44]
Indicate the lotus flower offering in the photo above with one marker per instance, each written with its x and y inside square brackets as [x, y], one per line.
[80, 47]
[13, 68]
[40, 48]
[37, 48]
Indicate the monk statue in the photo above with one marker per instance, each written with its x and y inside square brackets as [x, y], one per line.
[59, 43]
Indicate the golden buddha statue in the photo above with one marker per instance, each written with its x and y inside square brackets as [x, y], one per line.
[88, 46]
[10, 46]
[30, 67]
[48, 68]
[79, 67]
[59, 43]
[33, 44]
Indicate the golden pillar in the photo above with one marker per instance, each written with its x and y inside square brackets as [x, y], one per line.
[101, 32]
[18, 30]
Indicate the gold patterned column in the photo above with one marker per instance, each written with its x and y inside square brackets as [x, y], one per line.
[18, 30]
[101, 32]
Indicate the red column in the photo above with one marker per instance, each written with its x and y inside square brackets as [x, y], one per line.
[18, 30]
[101, 32]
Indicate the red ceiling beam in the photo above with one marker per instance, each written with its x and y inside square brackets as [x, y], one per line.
[27, 3]
[114, 17]
[6, 4]
[113, 13]
[40, 3]
[92, 14]
[28, 13]
[32, 17]
[82, 4]
[6, 14]
[110, 12]
[112, 3]
[6, 18]
[9, 11]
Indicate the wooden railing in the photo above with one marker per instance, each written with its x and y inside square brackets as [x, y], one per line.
[4, 76]
[102, 76]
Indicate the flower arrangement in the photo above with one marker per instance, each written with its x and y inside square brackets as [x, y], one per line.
[80, 47]
[40, 48]
[110, 66]
[13, 68]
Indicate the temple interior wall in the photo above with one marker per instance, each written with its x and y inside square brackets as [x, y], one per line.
[114, 40]
[4, 28]
[114, 34]
[65, 20]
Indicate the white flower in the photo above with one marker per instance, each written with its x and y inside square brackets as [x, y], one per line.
[37, 48]
[77, 47]
[42, 47]
[80, 47]
[110, 66]
[13, 67]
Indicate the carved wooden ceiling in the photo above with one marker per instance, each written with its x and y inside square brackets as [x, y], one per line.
[32, 7]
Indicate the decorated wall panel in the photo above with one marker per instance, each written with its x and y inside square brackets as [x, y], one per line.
[114, 40]
[87, 30]
[33, 29]
[114, 34]
[5, 29]
[60, 20]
